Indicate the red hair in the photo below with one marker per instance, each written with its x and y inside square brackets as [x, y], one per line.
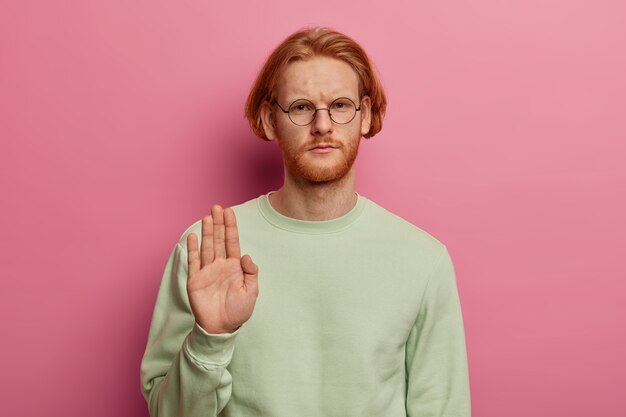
[308, 43]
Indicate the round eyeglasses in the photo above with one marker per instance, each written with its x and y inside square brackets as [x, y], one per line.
[302, 112]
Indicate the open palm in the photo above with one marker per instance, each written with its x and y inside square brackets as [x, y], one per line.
[222, 286]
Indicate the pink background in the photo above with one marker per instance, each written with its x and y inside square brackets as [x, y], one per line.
[121, 123]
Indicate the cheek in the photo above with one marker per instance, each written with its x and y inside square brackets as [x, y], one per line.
[290, 136]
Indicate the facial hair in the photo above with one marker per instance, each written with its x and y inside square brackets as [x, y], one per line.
[301, 165]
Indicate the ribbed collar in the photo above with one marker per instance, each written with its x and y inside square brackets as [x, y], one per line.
[308, 226]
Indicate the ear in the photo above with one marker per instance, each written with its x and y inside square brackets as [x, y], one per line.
[366, 115]
[268, 121]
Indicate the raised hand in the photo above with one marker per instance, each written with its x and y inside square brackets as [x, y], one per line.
[222, 286]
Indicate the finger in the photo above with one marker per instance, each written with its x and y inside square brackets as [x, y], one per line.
[250, 274]
[250, 269]
[193, 261]
[232, 234]
[206, 247]
[218, 231]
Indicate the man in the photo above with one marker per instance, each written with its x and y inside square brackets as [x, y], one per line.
[358, 312]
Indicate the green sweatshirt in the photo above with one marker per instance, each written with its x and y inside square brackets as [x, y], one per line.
[356, 316]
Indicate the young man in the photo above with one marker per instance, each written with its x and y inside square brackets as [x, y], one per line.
[358, 312]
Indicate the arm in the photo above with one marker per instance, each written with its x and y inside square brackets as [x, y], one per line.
[183, 371]
[436, 358]
[205, 297]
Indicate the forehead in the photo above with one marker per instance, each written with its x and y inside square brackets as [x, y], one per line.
[318, 78]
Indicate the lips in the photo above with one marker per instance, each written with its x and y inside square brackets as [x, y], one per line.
[323, 146]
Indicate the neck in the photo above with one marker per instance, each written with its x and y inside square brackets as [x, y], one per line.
[315, 201]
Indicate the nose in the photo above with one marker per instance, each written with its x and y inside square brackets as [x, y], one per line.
[322, 124]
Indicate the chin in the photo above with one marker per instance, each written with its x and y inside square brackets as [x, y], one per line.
[330, 168]
[313, 172]
[322, 177]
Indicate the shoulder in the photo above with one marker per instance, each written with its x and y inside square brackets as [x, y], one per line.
[395, 228]
[242, 212]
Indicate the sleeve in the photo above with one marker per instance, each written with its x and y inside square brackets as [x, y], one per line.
[436, 357]
[183, 370]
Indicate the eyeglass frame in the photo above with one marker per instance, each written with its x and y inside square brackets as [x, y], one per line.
[321, 108]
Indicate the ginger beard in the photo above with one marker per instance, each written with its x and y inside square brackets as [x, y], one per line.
[309, 166]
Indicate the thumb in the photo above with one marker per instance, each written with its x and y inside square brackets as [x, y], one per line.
[250, 269]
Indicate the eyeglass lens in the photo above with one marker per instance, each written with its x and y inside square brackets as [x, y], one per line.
[341, 111]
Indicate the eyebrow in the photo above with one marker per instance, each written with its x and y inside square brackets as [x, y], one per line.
[304, 97]
[340, 91]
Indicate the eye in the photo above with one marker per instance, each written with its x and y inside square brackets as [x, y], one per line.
[301, 107]
[342, 105]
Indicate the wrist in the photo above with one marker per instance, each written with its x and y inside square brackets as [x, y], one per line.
[216, 329]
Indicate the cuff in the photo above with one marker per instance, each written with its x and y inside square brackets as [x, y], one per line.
[210, 349]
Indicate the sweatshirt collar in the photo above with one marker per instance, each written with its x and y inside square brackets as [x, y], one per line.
[309, 226]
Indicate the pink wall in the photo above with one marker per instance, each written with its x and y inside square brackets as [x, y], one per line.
[121, 123]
